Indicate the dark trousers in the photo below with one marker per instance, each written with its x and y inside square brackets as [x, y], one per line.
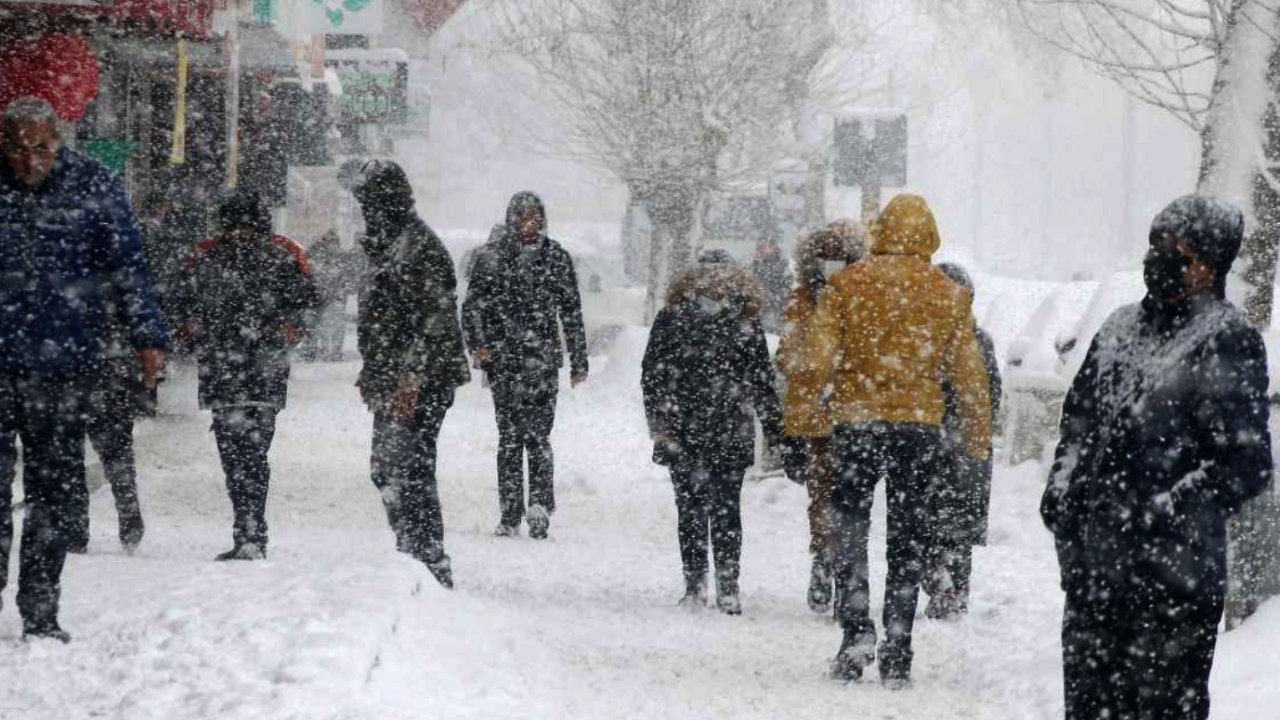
[49, 415]
[525, 407]
[957, 513]
[113, 405]
[1145, 658]
[244, 436]
[906, 457]
[709, 505]
[404, 471]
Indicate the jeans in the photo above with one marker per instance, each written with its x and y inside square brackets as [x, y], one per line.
[906, 457]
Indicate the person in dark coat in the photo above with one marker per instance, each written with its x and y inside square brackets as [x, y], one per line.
[248, 292]
[332, 266]
[1164, 437]
[960, 496]
[69, 235]
[706, 376]
[414, 359]
[523, 291]
[769, 265]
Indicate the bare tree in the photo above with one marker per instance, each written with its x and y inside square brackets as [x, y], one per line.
[675, 97]
[1215, 66]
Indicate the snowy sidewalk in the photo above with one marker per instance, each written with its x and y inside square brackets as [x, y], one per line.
[584, 625]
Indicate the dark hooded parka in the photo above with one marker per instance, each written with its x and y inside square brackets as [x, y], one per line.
[408, 322]
[518, 297]
[1164, 436]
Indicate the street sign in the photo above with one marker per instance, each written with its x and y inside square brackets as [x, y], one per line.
[871, 150]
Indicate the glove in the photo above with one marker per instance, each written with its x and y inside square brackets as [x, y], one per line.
[795, 459]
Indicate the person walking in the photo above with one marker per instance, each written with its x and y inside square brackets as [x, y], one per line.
[68, 225]
[522, 294]
[706, 376]
[889, 331]
[1164, 437]
[819, 256]
[413, 358]
[960, 496]
[248, 292]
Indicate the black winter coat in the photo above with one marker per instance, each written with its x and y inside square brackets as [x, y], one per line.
[239, 297]
[706, 370]
[1164, 437]
[518, 298]
[408, 324]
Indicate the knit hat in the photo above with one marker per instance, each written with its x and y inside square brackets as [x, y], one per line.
[1214, 229]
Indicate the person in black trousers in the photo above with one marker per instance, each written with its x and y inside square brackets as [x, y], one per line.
[1164, 437]
[248, 292]
[411, 344]
[523, 290]
[706, 376]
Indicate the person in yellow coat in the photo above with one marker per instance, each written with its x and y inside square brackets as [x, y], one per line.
[888, 332]
[819, 255]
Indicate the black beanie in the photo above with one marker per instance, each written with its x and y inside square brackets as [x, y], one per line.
[245, 209]
[1214, 229]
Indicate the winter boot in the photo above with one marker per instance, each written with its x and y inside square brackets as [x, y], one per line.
[45, 631]
[506, 531]
[820, 587]
[247, 551]
[442, 571]
[695, 592]
[856, 652]
[944, 600]
[539, 521]
[131, 528]
[727, 600]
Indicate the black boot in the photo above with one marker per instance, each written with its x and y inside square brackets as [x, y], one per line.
[820, 587]
[247, 551]
[856, 652]
[695, 591]
[727, 600]
[131, 527]
[45, 631]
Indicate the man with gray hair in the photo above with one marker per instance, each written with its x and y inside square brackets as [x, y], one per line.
[69, 243]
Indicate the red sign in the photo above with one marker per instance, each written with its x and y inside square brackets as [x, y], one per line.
[191, 18]
[432, 14]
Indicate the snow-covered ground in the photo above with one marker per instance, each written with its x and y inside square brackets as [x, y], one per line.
[337, 625]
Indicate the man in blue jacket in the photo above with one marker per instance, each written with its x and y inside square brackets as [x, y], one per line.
[67, 240]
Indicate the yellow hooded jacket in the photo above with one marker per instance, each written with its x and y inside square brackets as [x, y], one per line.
[890, 329]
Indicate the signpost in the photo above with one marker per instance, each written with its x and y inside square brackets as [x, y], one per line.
[871, 152]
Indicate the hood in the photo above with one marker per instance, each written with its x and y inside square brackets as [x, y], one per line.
[1213, 228]
[906, 227]
[522, 201]
[843, 240]
[717, 280]
[385, 196]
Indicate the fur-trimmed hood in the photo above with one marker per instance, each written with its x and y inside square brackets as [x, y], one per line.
[719, 281]
[840, 240]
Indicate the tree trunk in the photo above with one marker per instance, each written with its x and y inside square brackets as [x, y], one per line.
[672, 208]
[1240, 120]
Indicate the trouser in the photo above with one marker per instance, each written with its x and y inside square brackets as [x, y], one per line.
[525, 407]
[112, 407]
[244, 435]
[48, 413]
[820, 484]
[331, 330]
[954, 519]
[404, 471]
[906, 456]
[709, 504]
[1143, 658]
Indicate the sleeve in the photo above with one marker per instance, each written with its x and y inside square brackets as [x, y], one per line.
[823, 343]
[303, 292]
[481, 296]
[1076, 445]
[967, 374]
[760, 378]
[995, 382]
[575, 331]
[125, 266]
[1232, 413]
[655, 376]
[432, 314]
